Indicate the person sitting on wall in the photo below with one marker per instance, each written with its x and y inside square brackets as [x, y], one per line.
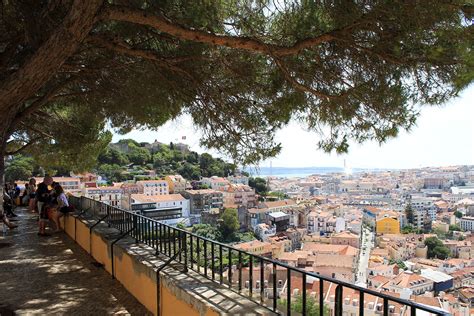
[8, 204]
[61, 207]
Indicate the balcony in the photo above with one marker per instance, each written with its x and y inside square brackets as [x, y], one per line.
[173, 272]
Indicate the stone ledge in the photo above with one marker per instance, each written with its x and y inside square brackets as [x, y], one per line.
[194, 289]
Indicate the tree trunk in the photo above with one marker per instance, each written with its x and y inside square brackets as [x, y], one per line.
[24, 83]
[3, 145]
[43, 64]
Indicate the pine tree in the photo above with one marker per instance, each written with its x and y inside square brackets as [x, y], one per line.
[242, 70]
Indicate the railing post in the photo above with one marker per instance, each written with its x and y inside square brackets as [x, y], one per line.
[338, 302]
[135, 226]
[303, 311]
[288, 292]
[275, 286]
[321, 297]
[185, 251]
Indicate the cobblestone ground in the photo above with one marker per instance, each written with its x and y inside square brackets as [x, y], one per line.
[53, 275]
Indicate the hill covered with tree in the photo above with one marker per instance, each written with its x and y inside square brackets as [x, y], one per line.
[128, 159]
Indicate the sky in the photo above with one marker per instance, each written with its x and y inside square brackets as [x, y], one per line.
[443, 136]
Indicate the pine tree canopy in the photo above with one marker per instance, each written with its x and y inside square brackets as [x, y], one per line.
[69, 70]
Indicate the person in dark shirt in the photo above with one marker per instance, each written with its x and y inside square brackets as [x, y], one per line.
[43, 198]
[16, 190]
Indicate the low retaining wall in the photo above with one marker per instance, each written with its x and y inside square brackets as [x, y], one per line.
[135, 267]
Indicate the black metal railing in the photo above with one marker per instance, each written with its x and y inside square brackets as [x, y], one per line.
[277, 286]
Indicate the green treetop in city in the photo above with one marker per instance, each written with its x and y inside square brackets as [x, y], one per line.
[350, 71]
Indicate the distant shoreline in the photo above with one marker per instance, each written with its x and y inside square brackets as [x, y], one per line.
[301, 172]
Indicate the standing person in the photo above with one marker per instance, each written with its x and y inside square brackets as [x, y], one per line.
[24, 198]
[16, 194]
[43, 196]
[32, 194]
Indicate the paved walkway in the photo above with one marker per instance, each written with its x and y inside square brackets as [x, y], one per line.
[53, 275]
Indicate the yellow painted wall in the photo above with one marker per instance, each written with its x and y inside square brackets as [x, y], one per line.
[69, 225]
[82, 235]
[101, 251]
[171, 305]
[387, 225]
[131, 274]
[134, 280]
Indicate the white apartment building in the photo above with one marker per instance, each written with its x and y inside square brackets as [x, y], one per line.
[467, 189]
[107, 195]
[264, 231]
[324, 223]
[423, 203]
[69, 184]
[154, 187]
[467, 223]
[215, 183]
[417, 284]
[163, 207]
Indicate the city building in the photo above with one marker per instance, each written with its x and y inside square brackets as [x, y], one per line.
[467, 223]
[441, 281]
[280, 220]
[215, 183]
[323, 223]
[176, 183]
[408, 281]
[345, 238]
[336, 261]
[264, 231]
[202, 200]
[387, 223]
[171, 208]
[256, 247]
[109, 195]
[236, 195]
[69, 184]
[154, 187]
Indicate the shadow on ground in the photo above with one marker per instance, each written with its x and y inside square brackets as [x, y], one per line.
[53, 275]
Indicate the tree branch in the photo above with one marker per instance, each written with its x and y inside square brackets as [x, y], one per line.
[141, 17]
[41, 66]
[39, 102]
[14, 152]
[299, 86]
[28, 126]
[124, 48]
